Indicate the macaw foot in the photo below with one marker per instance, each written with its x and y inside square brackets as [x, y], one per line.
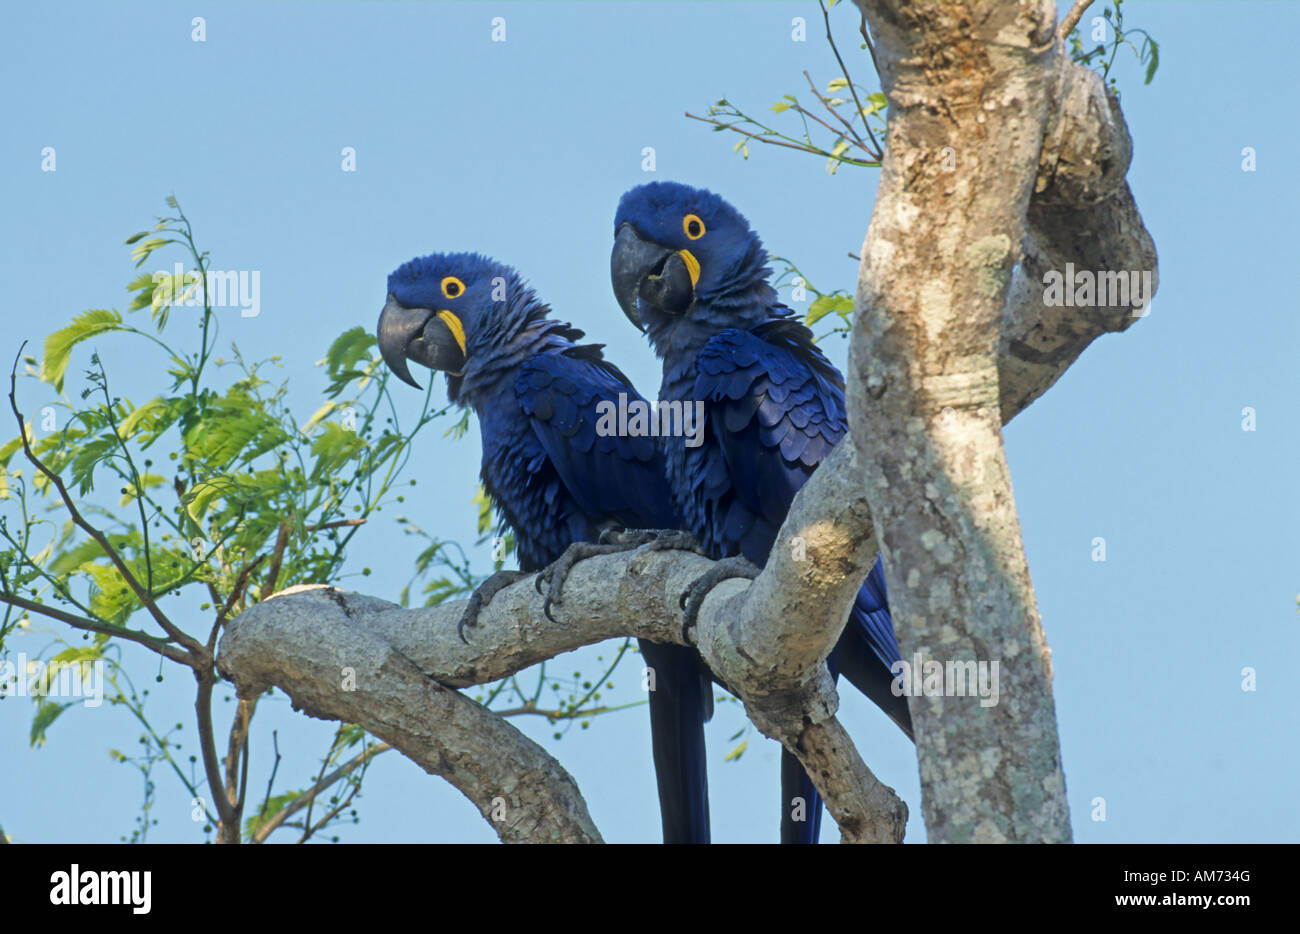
[483, 596]
[611, 542]
[693, 598]
[653, 539]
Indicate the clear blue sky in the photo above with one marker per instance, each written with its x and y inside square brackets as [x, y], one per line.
[521, 149]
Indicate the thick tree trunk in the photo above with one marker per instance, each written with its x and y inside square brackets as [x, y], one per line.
[975, 91]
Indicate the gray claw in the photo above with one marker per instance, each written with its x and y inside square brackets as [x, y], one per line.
[483, 596]
[692, 597]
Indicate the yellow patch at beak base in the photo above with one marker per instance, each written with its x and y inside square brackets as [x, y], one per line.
[692, 265]
[457, 329]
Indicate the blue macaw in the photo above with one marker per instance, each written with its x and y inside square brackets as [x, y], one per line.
[553, 478]
[689, 272]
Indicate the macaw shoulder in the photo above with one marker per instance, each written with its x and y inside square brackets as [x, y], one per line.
[773, 381]
[572, 398]
[781, 351]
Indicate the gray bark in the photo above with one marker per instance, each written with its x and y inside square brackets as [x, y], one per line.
[945, 351]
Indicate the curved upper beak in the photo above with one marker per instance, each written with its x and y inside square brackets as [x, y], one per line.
[643, 270]
[432, 338]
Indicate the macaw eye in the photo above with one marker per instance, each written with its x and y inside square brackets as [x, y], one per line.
[452, 287]
[693, 226]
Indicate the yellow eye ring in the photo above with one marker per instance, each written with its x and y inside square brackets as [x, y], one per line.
[692, 226]
[452, 287]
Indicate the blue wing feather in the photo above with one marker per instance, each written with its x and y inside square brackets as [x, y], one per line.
[776, 407]
[608, 475]
[616, 480]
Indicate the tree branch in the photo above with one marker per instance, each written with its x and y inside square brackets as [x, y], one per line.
[945, 350]
[161, 646]
[1072, 18]
[320, 647]
[276, 642]
[312, 793]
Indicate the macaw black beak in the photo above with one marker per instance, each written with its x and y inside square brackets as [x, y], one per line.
[432, 338]
[644, 270]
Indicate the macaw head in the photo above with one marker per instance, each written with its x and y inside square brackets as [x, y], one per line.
[442, 311]
[683, 252]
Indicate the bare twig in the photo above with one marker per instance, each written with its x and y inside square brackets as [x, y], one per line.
[341, 523]
[161, 646]
[1072, 18]
[277, 558]
[338, 734]
[270, 782]
[866, 37]
[862, 144]
[305, 799]
[334, 812]
[237, 592]
[866, 122]
[798, 147]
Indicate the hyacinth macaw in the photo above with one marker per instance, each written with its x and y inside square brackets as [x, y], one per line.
[689, 272]
[553, 478]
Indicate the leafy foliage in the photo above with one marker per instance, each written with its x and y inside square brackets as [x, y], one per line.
[1101, 56]
[217, 490]
[845, 126]
[212, 490]
[835, 307]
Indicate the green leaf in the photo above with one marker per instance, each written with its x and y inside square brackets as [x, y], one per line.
[835, 84]
[875, 103]
[66, 562]
[458, 430]
[334, 446]
[349, 358]
[151, 419]
[58, 346]
[1154, 63]
[837, 303]
[234, 430]
[12, 447]
[833, 162]
[143, 250]
[274, 806]
[71, 658]
[144, 287]
[324, 410]
[236, 489]
[111, 598]
[484, 503]
[780, 107]
[349, 349]
[737, 752]
[46, 713]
